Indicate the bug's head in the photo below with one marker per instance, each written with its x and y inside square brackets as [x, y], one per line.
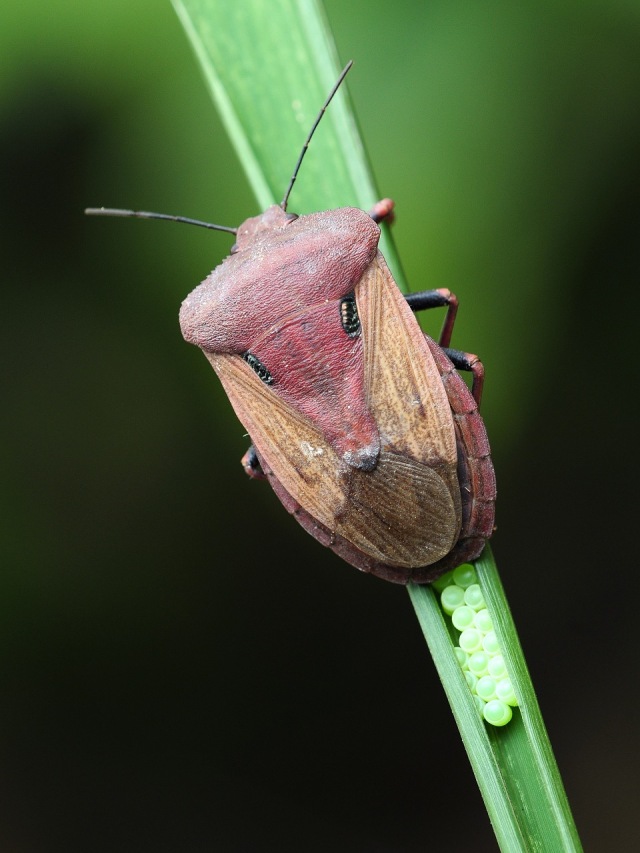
[273, 219]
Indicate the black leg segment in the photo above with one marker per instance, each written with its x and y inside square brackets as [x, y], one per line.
[468, 361]
[437, 299]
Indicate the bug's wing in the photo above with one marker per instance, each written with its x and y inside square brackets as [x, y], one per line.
[296, 452]
[404, 388]
[413, 495]
[401, 514]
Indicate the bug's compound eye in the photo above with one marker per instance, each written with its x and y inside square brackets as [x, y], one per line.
[291, 217]
[234, 249]
[349, 315]
[258, 367]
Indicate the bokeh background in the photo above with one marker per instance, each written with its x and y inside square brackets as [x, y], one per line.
[181, 667]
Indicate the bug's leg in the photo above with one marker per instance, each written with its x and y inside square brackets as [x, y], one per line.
[467, 361]
[251, 465]
[437, 299]
[382, 210]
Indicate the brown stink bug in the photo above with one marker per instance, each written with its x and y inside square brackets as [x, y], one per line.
[360, 421]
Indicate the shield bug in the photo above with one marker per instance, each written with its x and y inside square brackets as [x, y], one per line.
[360, 421]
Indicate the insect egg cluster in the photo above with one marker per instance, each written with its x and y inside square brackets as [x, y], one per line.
[477, 651]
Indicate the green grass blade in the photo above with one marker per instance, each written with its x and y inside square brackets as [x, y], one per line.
[525, 750]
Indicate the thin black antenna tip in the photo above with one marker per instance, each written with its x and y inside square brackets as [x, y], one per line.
[337, 84]
[146, 214]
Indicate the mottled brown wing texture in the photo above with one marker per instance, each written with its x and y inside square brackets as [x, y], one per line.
[411, 502]
[405, 391]
[296, 452]
[401, 514]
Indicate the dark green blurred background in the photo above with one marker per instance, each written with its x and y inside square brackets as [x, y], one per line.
[181, 667]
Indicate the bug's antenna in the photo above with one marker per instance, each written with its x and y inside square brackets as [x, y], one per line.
[145, 214]
[343, 74]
